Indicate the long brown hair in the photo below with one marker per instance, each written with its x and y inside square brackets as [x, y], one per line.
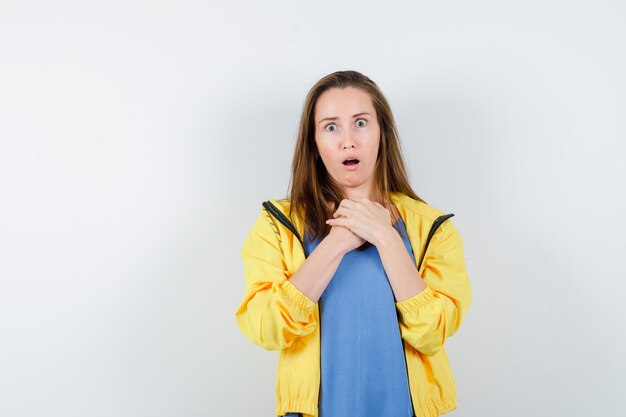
[311, 187]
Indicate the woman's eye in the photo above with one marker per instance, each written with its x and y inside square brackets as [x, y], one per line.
[361, 122]
[331, 125]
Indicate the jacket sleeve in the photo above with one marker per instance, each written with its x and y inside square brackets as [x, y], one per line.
[274, 312]
[428, 318]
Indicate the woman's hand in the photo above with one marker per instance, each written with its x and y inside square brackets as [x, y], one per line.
[345, 238]
[367, 219]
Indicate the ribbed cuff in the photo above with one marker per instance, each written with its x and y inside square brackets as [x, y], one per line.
[308, 408]
[303, 302]
[416, 302]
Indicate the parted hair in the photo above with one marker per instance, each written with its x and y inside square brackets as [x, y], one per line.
[310, 185]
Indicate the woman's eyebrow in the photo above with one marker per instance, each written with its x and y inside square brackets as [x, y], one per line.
[353, 116]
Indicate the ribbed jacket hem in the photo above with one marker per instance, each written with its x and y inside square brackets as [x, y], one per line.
[430, 409]
[308, 408]
[435, 408]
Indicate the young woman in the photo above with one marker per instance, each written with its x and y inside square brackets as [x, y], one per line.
[353, 278]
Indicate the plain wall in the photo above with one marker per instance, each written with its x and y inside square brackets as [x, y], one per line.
[139, 138]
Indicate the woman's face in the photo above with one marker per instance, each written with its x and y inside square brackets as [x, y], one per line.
[346, 127]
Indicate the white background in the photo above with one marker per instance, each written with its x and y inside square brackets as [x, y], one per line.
[138, 140]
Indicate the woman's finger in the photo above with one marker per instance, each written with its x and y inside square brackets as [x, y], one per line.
[346, 203]
[342, 221]
[341, 211]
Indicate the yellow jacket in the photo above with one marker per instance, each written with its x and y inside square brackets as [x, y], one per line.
[275, 315]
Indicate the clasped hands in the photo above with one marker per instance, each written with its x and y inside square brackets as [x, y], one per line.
[368, 219]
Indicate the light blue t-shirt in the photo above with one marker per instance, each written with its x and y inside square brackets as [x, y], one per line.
[363, 368]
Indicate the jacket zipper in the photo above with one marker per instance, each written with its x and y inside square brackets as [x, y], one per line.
[438, 221]
[283, 219]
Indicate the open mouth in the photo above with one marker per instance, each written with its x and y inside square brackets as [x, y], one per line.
[351, 162]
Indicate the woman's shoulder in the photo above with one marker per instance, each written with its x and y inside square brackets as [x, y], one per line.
[421, 215]
[412, 206]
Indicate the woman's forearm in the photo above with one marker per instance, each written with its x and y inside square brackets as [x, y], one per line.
[403, 275]
[318, 269]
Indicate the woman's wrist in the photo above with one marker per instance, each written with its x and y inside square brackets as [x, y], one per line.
[386, 237]
[335, 245]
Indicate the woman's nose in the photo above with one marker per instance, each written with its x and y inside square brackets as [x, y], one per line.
[348, 141]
